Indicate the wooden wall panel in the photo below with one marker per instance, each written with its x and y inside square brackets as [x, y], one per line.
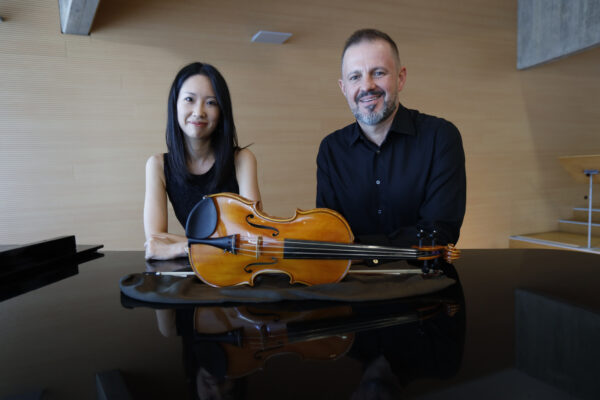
[79, 116]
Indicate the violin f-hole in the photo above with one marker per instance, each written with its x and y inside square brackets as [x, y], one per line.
[274, 234]
[247, 267]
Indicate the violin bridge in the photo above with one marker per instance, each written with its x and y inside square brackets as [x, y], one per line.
[257, 242]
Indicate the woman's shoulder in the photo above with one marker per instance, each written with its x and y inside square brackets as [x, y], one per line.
[155, 165]
[156, 160]
[244, 156]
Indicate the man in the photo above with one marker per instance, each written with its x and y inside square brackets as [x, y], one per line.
[394, 171]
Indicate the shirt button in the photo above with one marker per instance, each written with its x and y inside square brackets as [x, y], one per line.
[379, 211]
[378, 181]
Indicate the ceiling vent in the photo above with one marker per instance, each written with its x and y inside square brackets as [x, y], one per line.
[271, 37]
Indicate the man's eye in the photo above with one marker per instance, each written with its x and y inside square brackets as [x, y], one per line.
[353, 77]
[379, 73]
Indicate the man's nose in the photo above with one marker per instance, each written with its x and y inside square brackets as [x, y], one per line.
[368, 83]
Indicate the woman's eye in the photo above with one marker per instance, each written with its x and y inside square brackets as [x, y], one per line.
[212, 103]
[188, 99]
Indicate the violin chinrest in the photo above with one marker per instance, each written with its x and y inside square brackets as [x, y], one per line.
[202, 220]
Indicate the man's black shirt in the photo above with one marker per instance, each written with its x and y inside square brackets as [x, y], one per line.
[415, 180]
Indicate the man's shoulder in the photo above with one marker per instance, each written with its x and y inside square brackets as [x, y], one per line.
[426, 123]
[427, 119]
[436, 132]
[432, 128]
[340, 137]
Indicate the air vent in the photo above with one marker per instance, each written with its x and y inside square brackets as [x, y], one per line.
[271, 37]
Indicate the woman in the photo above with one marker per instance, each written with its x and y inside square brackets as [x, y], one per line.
[203, 157]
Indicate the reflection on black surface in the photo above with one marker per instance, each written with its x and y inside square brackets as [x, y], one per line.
[396, 341]
[395, 356]
[32, 266]
[40, 277]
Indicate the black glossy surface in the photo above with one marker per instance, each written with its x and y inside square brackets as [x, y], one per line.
[31, 266]
[58, 337]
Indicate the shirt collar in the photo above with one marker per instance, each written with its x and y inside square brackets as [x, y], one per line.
[402, 124]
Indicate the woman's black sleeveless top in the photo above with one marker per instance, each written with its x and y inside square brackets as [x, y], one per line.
[184, 196]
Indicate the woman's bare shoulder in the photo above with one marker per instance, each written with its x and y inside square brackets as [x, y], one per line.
[155, 168]
[243, 156]
[155, 162]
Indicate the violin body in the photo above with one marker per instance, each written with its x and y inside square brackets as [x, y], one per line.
[260, 244]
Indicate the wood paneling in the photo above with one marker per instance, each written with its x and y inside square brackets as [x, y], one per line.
[80, 115]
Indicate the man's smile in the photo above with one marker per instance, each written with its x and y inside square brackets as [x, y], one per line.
[369, 98]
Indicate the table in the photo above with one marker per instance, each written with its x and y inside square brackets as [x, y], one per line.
[523, 315]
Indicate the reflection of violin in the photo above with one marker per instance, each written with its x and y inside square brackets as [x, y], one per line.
[230, 242]
[250, 335]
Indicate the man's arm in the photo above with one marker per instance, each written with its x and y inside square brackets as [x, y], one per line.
[325, 192]
[443, 208]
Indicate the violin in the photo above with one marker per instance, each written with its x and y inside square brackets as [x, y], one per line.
[231, 242]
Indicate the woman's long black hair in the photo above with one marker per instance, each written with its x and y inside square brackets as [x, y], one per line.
[223, 140]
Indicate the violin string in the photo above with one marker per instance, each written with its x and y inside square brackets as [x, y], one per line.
[342, 255]
[251, 246]
[344, 245]
[324, 250]
[268, 250]
[341, 249]
[302, 243]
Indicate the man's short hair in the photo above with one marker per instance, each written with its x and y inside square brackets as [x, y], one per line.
[371, 35]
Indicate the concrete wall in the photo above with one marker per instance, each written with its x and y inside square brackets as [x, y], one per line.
[551, 29]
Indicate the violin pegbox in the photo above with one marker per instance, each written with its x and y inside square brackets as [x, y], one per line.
[448, 253]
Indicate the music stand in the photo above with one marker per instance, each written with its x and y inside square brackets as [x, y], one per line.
[582, 169]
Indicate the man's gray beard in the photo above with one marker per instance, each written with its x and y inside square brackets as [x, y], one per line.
[373, 118]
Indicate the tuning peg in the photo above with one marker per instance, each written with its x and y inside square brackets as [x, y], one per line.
[420, 236]
[433, 236]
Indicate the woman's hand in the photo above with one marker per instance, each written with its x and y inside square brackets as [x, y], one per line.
[165, 246]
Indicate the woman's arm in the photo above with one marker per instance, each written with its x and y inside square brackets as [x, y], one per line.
[160, 245]
[246, 174]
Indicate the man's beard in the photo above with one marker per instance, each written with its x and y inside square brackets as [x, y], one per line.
[373, 118]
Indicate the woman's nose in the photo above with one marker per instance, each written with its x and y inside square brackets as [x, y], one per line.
[199, 110]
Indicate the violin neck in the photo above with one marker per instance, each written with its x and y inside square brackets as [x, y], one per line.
[308, 249]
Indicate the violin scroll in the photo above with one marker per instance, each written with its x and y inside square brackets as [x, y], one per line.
[450, 253]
